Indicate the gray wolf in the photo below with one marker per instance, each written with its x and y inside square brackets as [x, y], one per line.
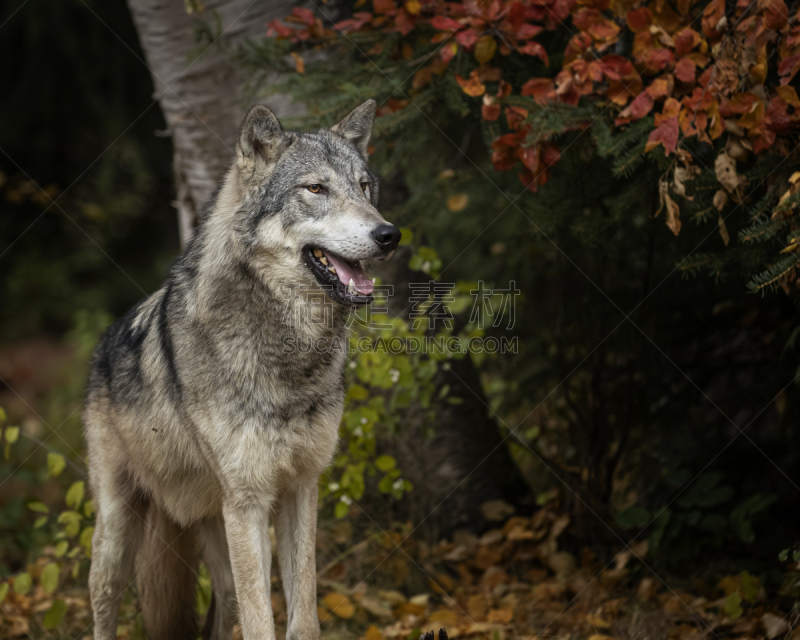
[201, 431]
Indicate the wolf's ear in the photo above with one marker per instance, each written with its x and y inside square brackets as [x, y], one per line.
[357, 126]
[260, 138]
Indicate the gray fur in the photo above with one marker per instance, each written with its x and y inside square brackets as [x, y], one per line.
[199, 426]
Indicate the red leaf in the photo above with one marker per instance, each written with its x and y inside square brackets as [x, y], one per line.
[788, 68]
[685, 41]
[443, 23]
[666, 134]
[535, 49]
[616, 67]
[358, 20]
[404, 22]
[540, 89]
[712, 14]
[639, 19]
[467, 38]
[305, 15]
[515, 116]
[775, 13]
[490, 110]
[383, 6]
[528, 31]
[740, 103]
[639, 108]
[684, 70]
[277, 28]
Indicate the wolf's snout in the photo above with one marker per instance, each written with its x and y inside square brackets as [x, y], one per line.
[387, 236]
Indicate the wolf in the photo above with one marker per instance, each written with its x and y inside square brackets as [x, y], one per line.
[201, 430]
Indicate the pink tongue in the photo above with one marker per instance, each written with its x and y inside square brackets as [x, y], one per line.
[347, 271]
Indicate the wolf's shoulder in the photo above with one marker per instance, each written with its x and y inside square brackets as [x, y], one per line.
[122, 342]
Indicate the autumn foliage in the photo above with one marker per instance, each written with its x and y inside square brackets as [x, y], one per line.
[716, 73]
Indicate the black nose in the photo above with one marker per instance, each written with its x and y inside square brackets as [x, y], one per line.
[387, 236]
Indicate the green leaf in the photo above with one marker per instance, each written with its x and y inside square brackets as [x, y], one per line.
[2, 419]
[634, 516]
[733, 606]
[22, 583]
[407, 237]
[49, 577]
[783, 555]
[741, 517]
[86, 540]
[385, 485]
[61, 548]
[12, 434]
[88, 508]
[55, 463]
[54, 615]
[341, 510]
[750, 586]
[4, 587]
[40, 522]
[385, 463]
[75, 494]
[357, 392]
[71, 521]
[38, 507]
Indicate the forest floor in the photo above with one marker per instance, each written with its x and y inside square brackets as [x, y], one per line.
[511, 582]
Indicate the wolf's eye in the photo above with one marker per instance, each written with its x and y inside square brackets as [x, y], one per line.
[315, 188]
[364, 186]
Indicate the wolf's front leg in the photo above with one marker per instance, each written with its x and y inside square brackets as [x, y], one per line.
[247, 531]
[296, 532]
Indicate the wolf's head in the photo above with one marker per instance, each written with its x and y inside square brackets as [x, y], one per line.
[310, 202]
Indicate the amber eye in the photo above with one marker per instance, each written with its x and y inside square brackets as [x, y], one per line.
[364, 186]
[315, 188]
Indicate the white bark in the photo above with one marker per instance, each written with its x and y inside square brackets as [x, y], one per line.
[199, 96]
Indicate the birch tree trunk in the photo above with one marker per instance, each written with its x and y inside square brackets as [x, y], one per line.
[198, 88]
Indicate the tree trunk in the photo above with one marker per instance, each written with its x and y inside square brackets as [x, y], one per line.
[466, 462]
[198, 88]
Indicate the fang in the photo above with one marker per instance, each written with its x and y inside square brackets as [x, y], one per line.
[317, 253]
[323, 260]
[332, 269]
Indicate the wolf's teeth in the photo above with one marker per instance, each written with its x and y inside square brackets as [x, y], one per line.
[323, 260]
[373, 282]
[332, 269]
[351, 287]
[317, 253]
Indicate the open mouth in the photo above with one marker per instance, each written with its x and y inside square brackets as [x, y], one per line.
[345, 281]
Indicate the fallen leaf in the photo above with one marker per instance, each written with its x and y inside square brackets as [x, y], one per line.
[673, 215]
[496, 510]
[720, 199]
[502, 616]
[373, 633]
[725, 170]
[597, 622]
[444, 617]
[376, 607]
[339, 605]
[774, 625]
